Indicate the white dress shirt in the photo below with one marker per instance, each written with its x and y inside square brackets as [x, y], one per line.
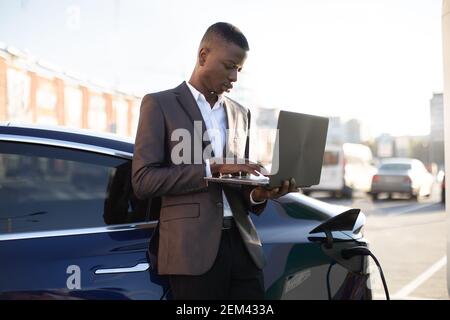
[216, 123]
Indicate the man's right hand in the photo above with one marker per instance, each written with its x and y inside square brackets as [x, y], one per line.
[234, 166]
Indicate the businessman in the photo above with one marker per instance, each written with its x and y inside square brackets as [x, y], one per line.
[207, 243]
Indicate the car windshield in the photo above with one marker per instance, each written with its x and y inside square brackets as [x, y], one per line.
[395, 166]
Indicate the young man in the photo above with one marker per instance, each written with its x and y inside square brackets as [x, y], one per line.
[207, 243]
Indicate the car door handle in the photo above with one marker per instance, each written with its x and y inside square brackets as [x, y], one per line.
[137, 268]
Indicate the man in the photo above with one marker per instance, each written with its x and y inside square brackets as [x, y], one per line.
[207, 243]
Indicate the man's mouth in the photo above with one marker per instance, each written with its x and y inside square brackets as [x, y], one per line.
[228, 86]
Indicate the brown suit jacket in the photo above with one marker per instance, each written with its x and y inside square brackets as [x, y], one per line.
[191, 210]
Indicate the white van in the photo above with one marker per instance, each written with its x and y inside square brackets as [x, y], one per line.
[346, 168]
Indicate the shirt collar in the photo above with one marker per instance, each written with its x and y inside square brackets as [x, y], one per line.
[197, 94]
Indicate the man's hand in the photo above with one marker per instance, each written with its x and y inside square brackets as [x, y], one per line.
[262, 194]
[233, 166]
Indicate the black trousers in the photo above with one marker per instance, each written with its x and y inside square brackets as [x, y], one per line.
[233, 275]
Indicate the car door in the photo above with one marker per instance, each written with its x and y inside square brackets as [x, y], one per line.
[71, 227]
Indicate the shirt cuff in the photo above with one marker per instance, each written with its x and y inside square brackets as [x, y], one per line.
[254, 203]
[207, 168]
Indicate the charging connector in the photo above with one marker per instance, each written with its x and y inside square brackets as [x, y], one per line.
[364, 251]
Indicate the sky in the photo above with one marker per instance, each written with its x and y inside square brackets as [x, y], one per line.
[379, 61]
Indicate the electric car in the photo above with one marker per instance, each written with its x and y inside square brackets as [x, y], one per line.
[71, 227]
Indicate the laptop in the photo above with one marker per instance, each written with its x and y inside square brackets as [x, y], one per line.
[298, 153]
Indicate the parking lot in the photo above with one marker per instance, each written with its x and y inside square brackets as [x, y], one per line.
[409, 238]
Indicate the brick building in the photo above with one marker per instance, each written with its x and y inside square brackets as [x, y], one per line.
[33, 92]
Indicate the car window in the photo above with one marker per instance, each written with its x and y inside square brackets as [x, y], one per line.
[330, 158]
[49, 188]
[395, 166]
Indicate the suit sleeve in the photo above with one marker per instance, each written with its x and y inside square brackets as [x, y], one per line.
[259, 208]
[153, 174]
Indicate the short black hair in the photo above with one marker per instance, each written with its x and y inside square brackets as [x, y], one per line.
[228, 32]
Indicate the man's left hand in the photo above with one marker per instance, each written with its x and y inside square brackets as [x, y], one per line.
[262, 194]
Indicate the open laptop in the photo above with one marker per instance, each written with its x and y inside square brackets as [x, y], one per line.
[298, 153]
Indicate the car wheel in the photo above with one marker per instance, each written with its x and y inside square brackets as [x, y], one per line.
[414, 196]
[347, 192]
[374, 196]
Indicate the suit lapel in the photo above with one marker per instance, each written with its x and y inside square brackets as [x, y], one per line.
[190, 107]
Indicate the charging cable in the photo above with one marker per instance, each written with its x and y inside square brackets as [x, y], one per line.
[166, 290]
[332, 263]
[364, 251]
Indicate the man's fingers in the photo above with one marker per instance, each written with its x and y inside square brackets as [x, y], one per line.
[234, 165]
[256, 167]
[236, 168]
[264, 171]
[249, 168]
[284, 187]
[292, 185]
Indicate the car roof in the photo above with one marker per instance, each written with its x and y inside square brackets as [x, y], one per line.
[65, 134]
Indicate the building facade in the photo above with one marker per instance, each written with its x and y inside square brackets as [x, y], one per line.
[32, 92]
[437, 129]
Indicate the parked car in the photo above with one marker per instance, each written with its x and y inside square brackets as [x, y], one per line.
[346, 168]
[402, 175]
[71, 227]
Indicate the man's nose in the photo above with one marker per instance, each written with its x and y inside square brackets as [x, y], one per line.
[233, 76]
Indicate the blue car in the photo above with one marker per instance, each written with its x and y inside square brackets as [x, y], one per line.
[71, 227]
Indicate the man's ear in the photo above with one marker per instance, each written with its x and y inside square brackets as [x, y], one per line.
[202, 56]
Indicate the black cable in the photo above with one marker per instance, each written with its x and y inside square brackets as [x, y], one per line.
[364, 251]
[165, 293]
[332, 263]
[381, 274]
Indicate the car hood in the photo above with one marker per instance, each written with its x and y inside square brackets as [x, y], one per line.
[321, 211]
